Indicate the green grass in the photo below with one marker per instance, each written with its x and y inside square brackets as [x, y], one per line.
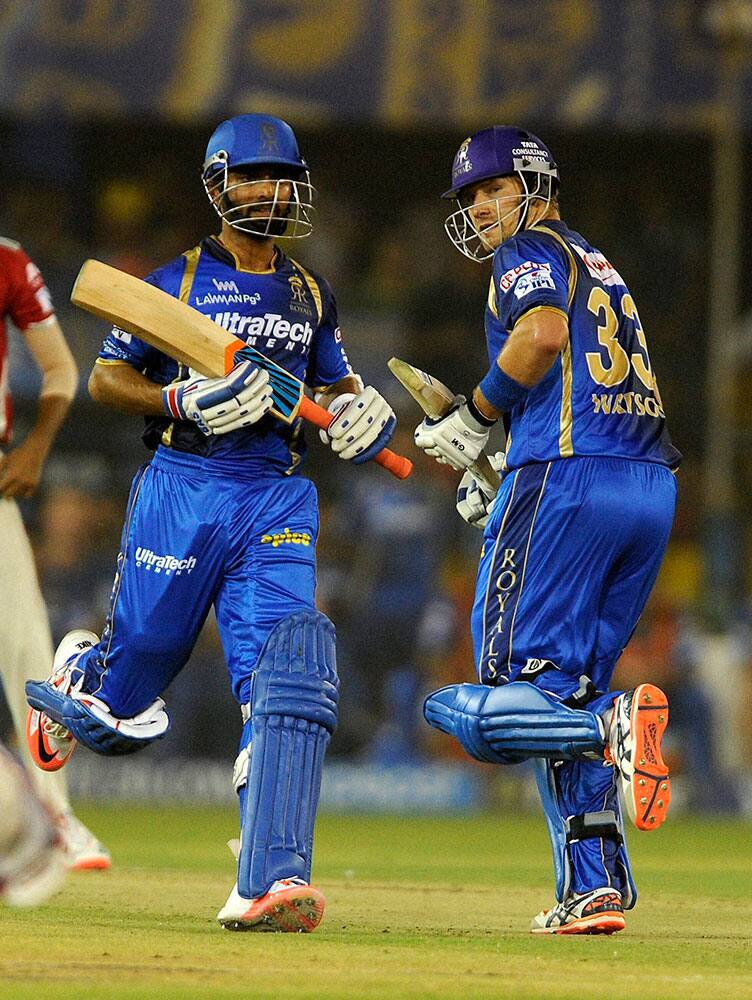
[415, 908]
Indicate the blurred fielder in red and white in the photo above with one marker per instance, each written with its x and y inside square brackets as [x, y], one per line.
[33, 855]
[25, 640]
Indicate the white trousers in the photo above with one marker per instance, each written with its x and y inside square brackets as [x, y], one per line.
[25, 641]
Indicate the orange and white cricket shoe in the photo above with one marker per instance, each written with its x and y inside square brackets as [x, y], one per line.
[637, 725]
[50, 743]
[290, 905]
[596, 912]
[83, 852]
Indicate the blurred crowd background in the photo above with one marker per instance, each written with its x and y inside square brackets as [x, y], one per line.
[84, 173]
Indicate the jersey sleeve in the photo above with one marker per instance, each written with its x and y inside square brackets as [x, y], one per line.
[120, 346]
[529, 272]
[30, 301]
[328, 361]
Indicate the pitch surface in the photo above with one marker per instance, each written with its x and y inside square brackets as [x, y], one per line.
[429, 908]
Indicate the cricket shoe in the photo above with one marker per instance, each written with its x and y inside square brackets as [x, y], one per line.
[83, 851]
[596, 912]
[49, 742]
[637, 725]
[290, 905]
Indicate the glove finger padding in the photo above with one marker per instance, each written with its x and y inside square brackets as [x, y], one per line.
[244, 409]
[363, 427]
[335, 407]
[245, 416]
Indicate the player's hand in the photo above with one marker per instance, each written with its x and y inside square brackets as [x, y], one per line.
[455, 439]
[474, 500]
[21, 470]
[362, 426]
[221, 405]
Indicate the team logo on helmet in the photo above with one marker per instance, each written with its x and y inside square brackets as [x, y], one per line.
[462, 165]
[269, 138]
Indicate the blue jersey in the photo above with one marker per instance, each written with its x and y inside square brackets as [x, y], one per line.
[288, 313]
[601, 397]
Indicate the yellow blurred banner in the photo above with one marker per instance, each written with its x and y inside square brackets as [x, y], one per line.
[397, 62]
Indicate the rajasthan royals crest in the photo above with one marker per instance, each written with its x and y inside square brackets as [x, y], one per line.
[298, 301]
[269, 138]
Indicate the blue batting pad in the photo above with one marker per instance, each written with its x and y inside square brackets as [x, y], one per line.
[508, 724]
[294, 713]
[110, 740]
[584, 821]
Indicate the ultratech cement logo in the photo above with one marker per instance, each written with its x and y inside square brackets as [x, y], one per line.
[148, 559]
[270, 325]
[286, 537]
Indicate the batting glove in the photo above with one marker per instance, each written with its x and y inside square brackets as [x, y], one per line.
[457, 438]
[473, 500]
[221, 405]
[363, 425]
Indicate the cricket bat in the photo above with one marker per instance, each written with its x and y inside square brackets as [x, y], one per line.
[435, 399]
[185, 334]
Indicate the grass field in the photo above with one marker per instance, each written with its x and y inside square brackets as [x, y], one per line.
[416, 908]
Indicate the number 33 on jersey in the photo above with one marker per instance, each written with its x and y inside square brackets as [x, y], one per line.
[601, 397]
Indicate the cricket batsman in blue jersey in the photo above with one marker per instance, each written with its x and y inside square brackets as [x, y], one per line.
[221, 516]
[573, 539]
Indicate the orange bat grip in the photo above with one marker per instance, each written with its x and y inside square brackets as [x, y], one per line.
[398, 465]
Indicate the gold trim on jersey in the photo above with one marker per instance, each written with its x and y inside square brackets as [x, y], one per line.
[313, 287]
[112, 361]
[524, 566]
[294, 445]
[492, 300]
[566, 447]
[186, 282]
[510, 501]
[537, 309]
[248, 270]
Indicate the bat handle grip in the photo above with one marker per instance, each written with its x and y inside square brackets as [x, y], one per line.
[398, 465]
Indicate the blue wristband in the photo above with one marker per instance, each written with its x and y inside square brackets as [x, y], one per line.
[501, 391]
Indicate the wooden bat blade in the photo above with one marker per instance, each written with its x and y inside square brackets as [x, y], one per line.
[432, 396]
[435, 399]
[183, 333]
[164, 322]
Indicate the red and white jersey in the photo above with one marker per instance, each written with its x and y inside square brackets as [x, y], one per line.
[24, 300]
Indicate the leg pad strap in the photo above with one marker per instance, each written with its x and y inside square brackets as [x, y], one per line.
[593, 824]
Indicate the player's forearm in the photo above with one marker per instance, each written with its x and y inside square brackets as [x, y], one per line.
[528, 355]
[123, 388]
[51, 412]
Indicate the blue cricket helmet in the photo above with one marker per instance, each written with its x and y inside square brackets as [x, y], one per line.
[259, 140]
[249, 139]
[497, 152]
